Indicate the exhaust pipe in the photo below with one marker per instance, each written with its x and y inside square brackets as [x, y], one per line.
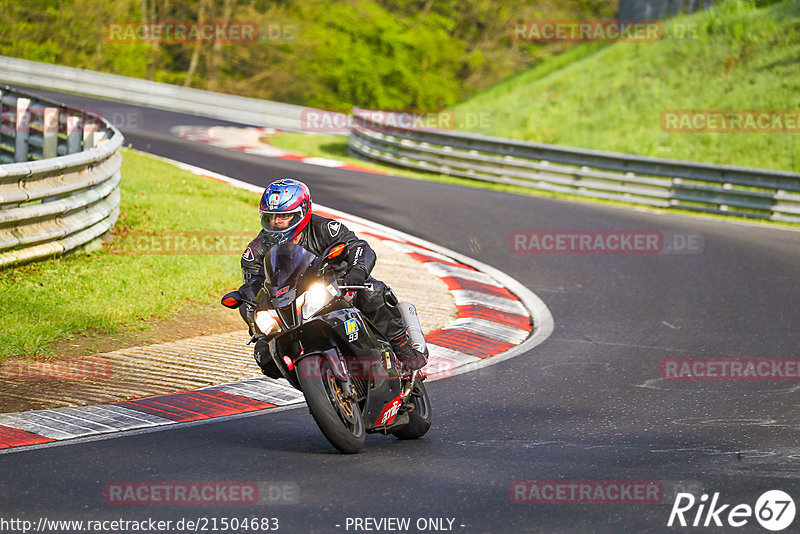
[413, 328]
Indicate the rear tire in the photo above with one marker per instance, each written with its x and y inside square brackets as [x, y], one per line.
[339, 419]
[420, 417]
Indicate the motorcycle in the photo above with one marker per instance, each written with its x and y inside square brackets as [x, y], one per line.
[350, 377]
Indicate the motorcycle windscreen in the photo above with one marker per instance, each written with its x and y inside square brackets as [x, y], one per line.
[286, 263]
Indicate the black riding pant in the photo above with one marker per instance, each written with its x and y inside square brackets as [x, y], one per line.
[380, 306]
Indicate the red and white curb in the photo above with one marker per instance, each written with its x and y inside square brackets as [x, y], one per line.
[498, 318]
[248, 140]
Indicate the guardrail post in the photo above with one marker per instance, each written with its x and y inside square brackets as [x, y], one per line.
[50, 133]
[74, 133]
[52, 205]
[89, 129]
[6, 129]
[22, 129]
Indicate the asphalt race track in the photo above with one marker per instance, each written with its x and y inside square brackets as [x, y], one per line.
[586, 405]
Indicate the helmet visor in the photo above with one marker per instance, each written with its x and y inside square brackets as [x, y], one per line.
[280, 222]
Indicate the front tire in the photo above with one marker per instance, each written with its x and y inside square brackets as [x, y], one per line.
[339, 419]
[420, 417]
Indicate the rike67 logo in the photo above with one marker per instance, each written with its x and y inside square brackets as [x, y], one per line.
[774, 510]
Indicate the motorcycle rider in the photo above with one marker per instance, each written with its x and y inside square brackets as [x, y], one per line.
[286, 216]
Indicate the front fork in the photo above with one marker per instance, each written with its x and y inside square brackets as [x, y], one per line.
[409, 387]
[339, 372]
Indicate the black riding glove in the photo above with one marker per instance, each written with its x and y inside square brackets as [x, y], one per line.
[356, 276]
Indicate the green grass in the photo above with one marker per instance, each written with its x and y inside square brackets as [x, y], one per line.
[734, 56]
[104, 291]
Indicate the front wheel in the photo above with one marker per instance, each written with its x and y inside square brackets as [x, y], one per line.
[339, 418]
[420, 417]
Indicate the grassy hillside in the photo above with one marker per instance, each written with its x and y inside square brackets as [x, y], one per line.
[735, 57]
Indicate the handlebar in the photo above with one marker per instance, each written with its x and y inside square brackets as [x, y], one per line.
[366, 285]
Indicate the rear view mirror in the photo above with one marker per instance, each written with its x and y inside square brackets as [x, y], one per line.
[232, 300]
[333, 255]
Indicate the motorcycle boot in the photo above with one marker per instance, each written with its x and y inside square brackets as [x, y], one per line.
[407, 354]
[264, 360]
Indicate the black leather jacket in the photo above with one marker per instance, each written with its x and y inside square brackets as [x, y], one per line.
[317, 236]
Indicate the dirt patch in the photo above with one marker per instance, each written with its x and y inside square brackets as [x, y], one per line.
[44, 384]
[197, 320]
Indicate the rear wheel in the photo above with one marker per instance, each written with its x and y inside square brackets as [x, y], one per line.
[420, 417]
[339, 418]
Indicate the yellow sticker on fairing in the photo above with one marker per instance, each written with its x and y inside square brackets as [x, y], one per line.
[351, 326]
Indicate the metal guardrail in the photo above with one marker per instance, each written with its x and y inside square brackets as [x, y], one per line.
[60, 187]
[664, 183]
[156, 94]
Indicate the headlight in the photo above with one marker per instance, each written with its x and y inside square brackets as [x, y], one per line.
[314, 299]
[265, 322]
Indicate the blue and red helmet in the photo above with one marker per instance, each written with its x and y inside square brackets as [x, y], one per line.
[285, 199]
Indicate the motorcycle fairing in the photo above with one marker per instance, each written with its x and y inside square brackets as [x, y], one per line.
[342, 335]
[284, 265]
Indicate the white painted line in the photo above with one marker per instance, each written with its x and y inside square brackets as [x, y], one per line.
[323, 162]
[44, 424]
[72, 418]
[411, 249]
[86, 418]
[442, 270]
[265, 151]
[490, 329]
[205, 172]
[127, 417]
[264, 390]
[444, 362]
[147, 430]
[446, 353]
[466, 297]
